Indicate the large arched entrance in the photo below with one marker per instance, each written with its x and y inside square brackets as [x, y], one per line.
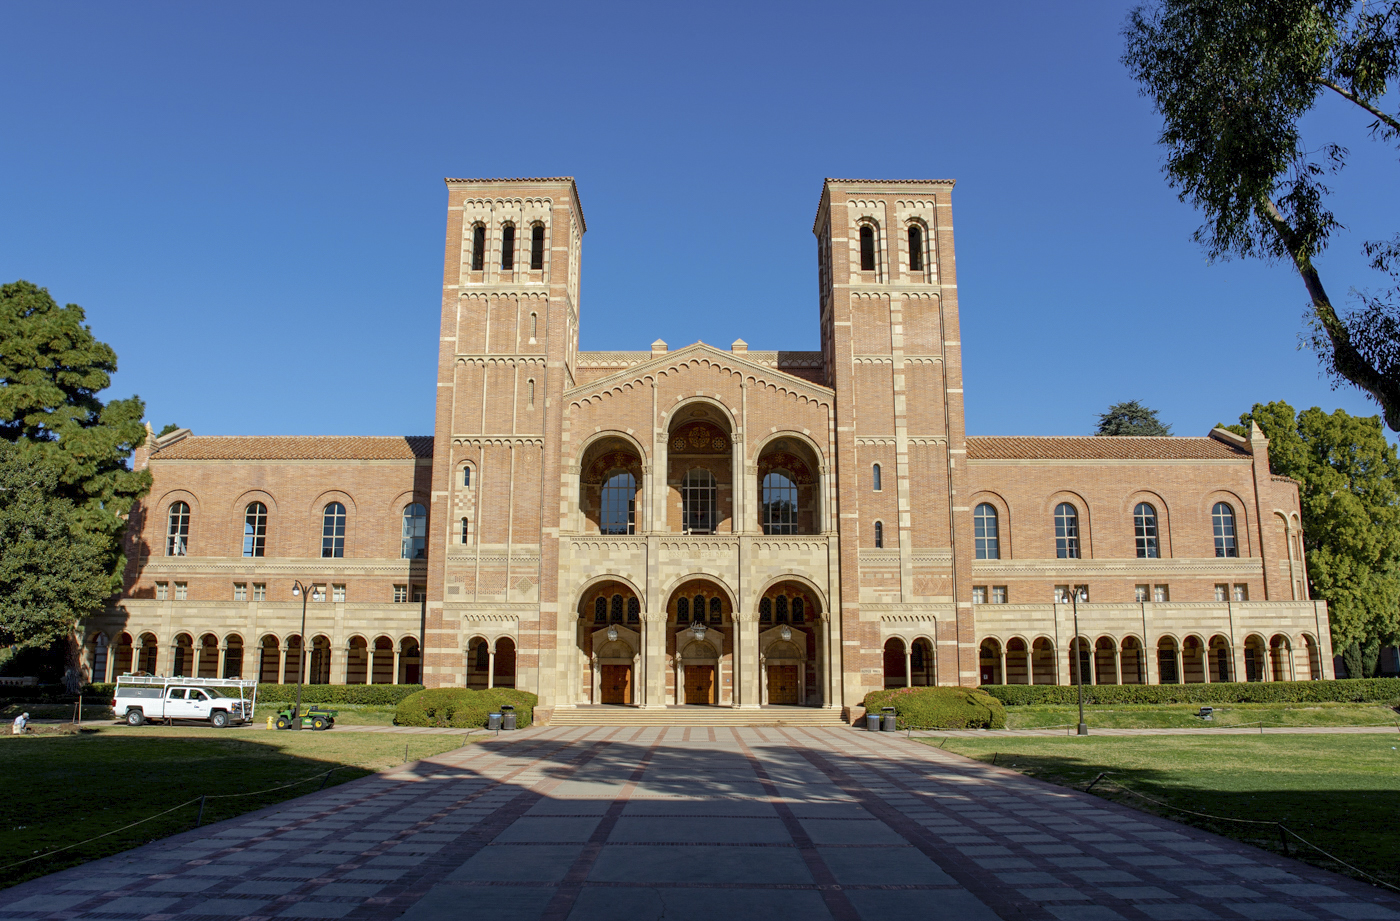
[700, 644]
[789, 645]
[699, 471]
[609, 638]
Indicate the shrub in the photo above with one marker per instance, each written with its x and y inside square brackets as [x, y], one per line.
[939, 708]
[1346, 690]
[384, 695]
[463, 708]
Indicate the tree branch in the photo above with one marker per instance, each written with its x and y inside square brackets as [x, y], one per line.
[1352, 97]
[1346, 359]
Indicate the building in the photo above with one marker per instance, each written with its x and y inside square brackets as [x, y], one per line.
[712, 526]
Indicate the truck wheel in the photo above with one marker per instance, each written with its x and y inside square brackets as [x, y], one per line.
[283, 723]
[319, 723]
[218, 719]
[135, 717]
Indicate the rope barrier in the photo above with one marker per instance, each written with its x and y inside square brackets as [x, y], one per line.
[326, 776]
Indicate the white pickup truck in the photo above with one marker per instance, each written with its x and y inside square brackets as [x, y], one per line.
[218, 701]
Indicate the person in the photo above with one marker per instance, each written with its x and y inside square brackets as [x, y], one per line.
[21, 725]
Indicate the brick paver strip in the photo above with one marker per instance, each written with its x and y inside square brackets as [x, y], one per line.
[803, 822]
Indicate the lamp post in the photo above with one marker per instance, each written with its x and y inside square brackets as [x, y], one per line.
[304, 591]
[1078, 658]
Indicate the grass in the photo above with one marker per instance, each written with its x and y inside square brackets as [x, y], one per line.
[1169, 716]
[1341, 792]
[63, 789]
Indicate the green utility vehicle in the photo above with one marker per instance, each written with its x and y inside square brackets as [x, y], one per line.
[313, 718]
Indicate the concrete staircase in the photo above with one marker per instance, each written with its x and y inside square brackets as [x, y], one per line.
[693, 716]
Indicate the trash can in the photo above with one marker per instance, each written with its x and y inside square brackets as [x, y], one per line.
[872, 722]
[887, 719]
[493, 721]
[507, 717]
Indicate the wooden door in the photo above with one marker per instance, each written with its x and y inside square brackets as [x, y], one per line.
[699, 684]
[617, 684]
[782, 684]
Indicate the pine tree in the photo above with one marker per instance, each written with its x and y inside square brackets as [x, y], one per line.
[51, 371]
[1131, 418]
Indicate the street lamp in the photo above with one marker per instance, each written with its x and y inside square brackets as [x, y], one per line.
[304, 591]
[1079, 656]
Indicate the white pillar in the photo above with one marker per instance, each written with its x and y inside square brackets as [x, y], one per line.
[1117, 664]
[1002, 675]
[908, 666]
[282, 665]
[762, 680]
[398, 659]
[595, 682]
[490, 667]
[680, 680]
[223, 659]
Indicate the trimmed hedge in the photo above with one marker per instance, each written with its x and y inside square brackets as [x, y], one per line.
[1342, 690]
[939, 708]
[462, 707]
[384, 695]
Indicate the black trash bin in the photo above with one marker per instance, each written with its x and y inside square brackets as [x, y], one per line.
[887, 719]
[872, 722]
[493, 721]
[507, 716]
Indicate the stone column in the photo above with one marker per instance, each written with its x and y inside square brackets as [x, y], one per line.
[595, 681]
[1180, 664]
[223, 659]
[1030, 663]
[746, 651]
[398, 660]
[1002, 676]
[762, 680]
[1117, 663]
[908, 666]
[680, 680]
[345, 669]
[1205, 665]
[490, 667]
[282, 665]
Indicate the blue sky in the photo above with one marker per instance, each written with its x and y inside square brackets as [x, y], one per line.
[247, 198]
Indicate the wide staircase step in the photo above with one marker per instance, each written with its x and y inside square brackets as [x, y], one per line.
[694, 716]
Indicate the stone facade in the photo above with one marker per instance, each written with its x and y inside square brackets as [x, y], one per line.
[713, 526]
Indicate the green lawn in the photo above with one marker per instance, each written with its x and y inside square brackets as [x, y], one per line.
[1341, 792]
[62, 789]
[1164, 716]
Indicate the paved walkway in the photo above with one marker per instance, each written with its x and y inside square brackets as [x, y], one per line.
[697, 823]
[1185, 731]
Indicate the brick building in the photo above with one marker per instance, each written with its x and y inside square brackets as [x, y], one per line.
[712, 526]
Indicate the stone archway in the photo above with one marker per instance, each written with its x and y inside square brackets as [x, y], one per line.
[700, 644]
[609, 639]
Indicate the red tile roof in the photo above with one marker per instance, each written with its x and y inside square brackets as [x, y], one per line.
[298, 447]
[1099, 447]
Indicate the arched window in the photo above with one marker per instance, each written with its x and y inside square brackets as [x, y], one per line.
[984, 528]
[779, 504]
[875, 477]
[177, 530]
[536, 250]
[916, 248]
[698, 612]
[867, 248]
[799, 613]
[765, 611]
[634, 611]
[1066, 532]
[534, 325]
[716, 610]
[530, 397]
[682, 610]
[466, 476]
[780, 609]
[617, 604]
[1145, 531]
[478, 248]
[879, 534]
[465, 530]
[698, 500]
[415, 532]
[508, 247]
[254, 529]
[619, 508]
[600, 610]
[1223, 518]
[333, 531]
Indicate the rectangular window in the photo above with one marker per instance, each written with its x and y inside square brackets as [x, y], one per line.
[420, 593]
[1160, 593]
[508, 247]
[1222, 592]
[338, 594]
[464, 530]
[400, 593]
[537, 247]
[240, 591]
[318, 592]
[181, 591]
[1241, 591]
[162, 591]
[1140, 593]
[998, 594]
[979, 594]
[1062, 594]
[259, 591]
[1082, 593]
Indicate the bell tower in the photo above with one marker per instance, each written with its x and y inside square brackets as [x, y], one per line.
[507, 349]
[890, 340]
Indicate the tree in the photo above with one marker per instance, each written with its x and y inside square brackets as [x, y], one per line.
[51, 371]
[1131, 418]
[53, 572]
[1232, 79]
[1350, 496]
